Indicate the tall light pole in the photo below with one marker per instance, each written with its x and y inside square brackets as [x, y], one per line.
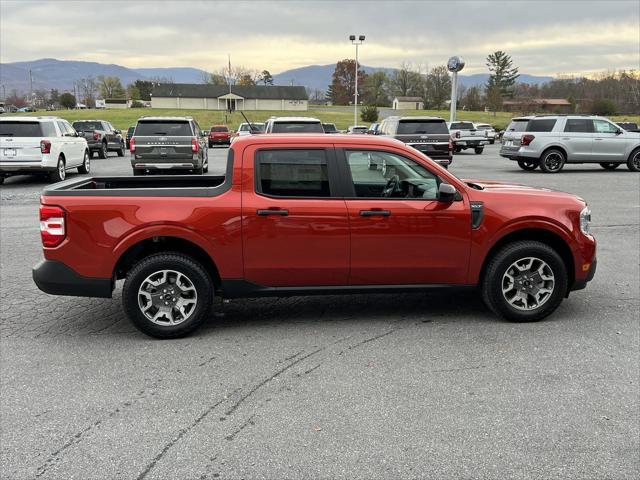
[454, 65]
[355, 104]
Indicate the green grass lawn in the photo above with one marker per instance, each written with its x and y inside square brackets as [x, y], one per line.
[341, 116]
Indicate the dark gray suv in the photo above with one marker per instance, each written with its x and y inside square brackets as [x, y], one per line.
[430, 135]
[169, 144]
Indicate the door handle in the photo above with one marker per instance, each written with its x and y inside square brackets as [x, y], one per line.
[566, 138]
[598, 139]
[375, 213]
[279, 211]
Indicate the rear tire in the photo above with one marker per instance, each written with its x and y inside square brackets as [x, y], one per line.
[184, 280]
[478, 150]
[120, 152]
[552, 161]
[528, 164]
[103, 152]
[1, 180]
[633, 163]
[85, 168]
[504, 287]
[60, 173]
[609, 166]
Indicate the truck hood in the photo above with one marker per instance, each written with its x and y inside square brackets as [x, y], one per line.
[515, 188]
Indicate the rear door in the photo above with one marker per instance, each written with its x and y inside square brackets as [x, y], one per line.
[164, 141]
[402, 236]
[295, 231]
[578, 139]
[608, 144]
[20, 141]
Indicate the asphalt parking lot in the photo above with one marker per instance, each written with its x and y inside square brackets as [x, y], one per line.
[364, 386]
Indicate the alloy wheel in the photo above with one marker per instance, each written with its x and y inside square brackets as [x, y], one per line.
[167, 297]
[528, 283]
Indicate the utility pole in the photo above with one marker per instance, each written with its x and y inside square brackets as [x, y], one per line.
[30, 89]
[355, 104]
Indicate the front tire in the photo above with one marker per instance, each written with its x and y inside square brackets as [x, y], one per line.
[633, 163]
[478, 150]
[528, 164]
[103, 152]
[167, 295]
[525, 281]
[552, 161]
[60, 173]
[85, 168]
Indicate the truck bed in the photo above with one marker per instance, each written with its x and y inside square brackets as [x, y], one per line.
[142, 186]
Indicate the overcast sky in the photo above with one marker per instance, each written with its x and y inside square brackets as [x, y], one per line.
[544, 37]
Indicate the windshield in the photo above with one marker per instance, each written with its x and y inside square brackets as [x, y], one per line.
[164, 128]
[83, 126]
[20, 129]
[413, 127]
[297, 127]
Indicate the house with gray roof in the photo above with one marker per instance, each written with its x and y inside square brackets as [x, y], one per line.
[194, 96]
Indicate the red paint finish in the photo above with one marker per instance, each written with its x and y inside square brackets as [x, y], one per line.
[321, 241]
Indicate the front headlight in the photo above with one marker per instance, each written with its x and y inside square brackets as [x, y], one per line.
[585, 220]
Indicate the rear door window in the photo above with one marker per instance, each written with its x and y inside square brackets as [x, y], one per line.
[578, 125]
[292, 173]
[417, 127]
[163, 129]
[541, 125]
[20, 129]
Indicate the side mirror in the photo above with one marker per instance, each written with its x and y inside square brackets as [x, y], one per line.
[619, 132]
[446, 193]
[117, 132]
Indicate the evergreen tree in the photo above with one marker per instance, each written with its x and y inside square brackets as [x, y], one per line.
[503, 73]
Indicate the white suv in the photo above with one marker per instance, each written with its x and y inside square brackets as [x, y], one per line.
[48, 145]
[293, 125]
[551, 141]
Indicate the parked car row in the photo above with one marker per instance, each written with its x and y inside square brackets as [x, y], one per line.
[549, 142]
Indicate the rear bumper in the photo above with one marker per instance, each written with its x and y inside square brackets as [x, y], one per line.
[14, 168]
[512, 153]
[56, 278]
[164, 165]
[471, 143]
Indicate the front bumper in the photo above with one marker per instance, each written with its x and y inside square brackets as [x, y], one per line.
[581, 283]
[56, 278]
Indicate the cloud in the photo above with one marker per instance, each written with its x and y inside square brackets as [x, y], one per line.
[543, 37]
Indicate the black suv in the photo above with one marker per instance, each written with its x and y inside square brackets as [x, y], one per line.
[163, 144]
[430, 135]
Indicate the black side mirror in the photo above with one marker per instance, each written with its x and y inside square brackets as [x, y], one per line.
[619, 132]
[446, 193]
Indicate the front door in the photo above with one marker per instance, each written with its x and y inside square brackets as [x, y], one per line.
[231, 104]
[400, 233]
[608, 143]
[295, 233]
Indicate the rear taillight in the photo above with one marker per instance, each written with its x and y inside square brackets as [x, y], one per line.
[526, 140]
[450, 144]
[458, 134]
[132, 145]
[45, 146]
[96, 136]
[52, 225]
[195, 146]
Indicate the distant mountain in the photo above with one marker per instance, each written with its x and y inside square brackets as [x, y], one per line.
[48, 73]
[175, 74]
[319, 76]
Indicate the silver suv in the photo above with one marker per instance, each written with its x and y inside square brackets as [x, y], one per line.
[551, 141]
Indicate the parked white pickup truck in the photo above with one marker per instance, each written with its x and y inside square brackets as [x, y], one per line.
[465, 135]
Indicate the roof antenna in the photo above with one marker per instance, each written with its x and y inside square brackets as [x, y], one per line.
[251, 126]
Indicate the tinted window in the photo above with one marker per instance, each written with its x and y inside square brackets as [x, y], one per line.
[578, 125]
[517, 125]
[130, 130]
[412, 127]
[371, 172]
[87, 126]
[297, 127]
[329, 127]
[541, 125]
[602, 126]
[462, 126]
[163, 128]
[293, 173]
[20, 129]
[219, 129]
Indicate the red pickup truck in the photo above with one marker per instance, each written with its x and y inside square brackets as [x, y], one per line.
[219, 135]
[303, 214]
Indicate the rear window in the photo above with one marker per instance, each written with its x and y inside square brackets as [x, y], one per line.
[293, 173]
[329, 127]
[541, 125]
[462, 126]
[219, 129]
[21, 129]
[163, 128]
[413, 127]
[86, 126]
[257, 127]
[517, 126]
[297, 127]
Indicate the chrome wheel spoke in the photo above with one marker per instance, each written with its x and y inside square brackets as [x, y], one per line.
[528, 283]
[167, 297]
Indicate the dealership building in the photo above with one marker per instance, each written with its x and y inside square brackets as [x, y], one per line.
[221, 97]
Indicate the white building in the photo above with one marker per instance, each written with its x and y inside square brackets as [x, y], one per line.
[218, 97]
[408, 103]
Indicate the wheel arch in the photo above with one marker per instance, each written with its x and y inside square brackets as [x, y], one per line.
[164, 243]
[542, 235]
[555, 147]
